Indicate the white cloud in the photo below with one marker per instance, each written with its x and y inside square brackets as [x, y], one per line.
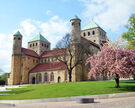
[53, 30]
[110, 14]
[5, 51]
[48, 12]
[27, 27]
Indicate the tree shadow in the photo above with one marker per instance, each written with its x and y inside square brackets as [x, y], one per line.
[129, 81]
[21, 91]
[16, 91]
[129, 88]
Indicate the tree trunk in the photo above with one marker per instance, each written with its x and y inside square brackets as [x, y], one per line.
[133, 76]
[117, 81]
[70, 76]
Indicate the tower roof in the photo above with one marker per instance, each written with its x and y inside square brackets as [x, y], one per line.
[17, 34]
[39, 37]
[91, 25]
[75, 17]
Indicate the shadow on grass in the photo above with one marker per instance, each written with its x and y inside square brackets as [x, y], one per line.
[17, 91]
[127, 88]
[129, 81]
[21, 91]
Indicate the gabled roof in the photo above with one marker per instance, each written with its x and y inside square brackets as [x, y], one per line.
[29, 52]
[91, 25]
[48, 67]
[17, 34]
[39, 37]
[89, 41]
[54, 52]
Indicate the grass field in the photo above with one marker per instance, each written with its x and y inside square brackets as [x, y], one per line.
[68, 89]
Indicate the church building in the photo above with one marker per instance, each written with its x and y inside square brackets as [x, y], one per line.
[38, 64]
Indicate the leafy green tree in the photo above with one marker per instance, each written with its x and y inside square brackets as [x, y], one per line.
[130, 34]
[3, 78]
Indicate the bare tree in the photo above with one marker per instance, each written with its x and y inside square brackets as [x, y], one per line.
[71, 54]
[119, 43]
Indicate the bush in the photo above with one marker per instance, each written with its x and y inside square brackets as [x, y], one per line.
[2, 82]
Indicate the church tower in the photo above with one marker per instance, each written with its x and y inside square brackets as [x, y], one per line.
[94, 33]
[15, 76]
[39, 44]
[75, 30]
[75, 43]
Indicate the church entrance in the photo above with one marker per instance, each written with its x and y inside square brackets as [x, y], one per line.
[33, 80]
[59, 79]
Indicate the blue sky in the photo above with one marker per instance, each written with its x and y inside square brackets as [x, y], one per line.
[51, 18]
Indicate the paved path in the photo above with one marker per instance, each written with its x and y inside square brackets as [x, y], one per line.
[128, 102]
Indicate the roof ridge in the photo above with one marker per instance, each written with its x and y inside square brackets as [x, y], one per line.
[91, 42]
[18, 33]
[91, 25]
[39, 37]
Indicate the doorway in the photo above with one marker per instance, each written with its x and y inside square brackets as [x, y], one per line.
[33, 80]
[59, 79]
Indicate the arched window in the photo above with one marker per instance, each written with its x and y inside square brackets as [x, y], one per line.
[88, 33]
[73, 23]
[94, 40]
[41, 61]
[33, 44]
[46, 77]
[42, 44]
[36, 44]
[30, 45]
[33, 60]
[65, 75]
[14, 38]
[45, 45]
[52, 76]
[100, 32]
[93, 32]
[45, 60]
[19, 38]
[36, 61]
[84, 34]
[40, 77]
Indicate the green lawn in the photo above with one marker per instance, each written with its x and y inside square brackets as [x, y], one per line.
[68, 89]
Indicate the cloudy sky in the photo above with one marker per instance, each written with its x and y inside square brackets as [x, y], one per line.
[51, 18]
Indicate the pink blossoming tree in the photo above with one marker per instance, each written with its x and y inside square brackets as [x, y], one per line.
[112, 62]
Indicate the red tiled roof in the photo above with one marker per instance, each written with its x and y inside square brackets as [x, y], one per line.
[54, 52]
[94, 44]
[48, 66]
[29, 52]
